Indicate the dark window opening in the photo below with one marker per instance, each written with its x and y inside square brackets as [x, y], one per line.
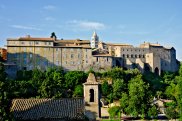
[25, 68]
[156, 71]
[91, 95]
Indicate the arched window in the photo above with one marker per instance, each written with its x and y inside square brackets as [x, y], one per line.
[91, 95]
[156, 71]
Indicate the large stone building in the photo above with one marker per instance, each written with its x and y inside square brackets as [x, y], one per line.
[28, 53]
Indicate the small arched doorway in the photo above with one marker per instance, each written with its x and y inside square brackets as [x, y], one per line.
[156, 71]
[91, 95]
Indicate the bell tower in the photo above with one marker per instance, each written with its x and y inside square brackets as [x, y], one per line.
[92, 97]
[94, 40]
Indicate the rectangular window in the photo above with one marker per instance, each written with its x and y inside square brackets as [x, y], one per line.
[72, 56]
[49, 43]
[36, 43]
[30, 43]
[22, 43]
[97, 59]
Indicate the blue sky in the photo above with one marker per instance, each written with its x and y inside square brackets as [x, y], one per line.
[117, 21]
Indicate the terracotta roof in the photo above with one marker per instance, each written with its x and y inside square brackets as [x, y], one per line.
[73, 41]
[30, 39]
[38, 39]
[35, 109]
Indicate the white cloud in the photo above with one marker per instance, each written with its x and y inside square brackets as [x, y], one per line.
[25, 27]
[85, 25]
[50, 19]
[49, 7]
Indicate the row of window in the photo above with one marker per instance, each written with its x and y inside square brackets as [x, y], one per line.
[133, 56]
[133, 50]
[36, 42]
[97, 59]
[46, 49]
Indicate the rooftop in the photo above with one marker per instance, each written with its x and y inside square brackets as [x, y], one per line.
[35, 109]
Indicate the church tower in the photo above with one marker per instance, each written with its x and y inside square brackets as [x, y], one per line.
[92, 97]
[94, 40]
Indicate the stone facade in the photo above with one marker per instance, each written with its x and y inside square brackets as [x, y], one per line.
[92, 97]
[29, 53]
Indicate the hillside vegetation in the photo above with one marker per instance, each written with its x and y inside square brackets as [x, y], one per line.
[134, 90]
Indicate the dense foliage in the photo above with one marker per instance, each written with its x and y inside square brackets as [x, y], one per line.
[134, 90]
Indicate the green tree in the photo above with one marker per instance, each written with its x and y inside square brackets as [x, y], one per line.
[52, 86]
[4, 96]
[138, 98]
[171, 110]
[105, 88]
[118, 87]
[73, 78]
[114, 112]
[124, 102]
[115, 73]
[78, 92]
[153, 112]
